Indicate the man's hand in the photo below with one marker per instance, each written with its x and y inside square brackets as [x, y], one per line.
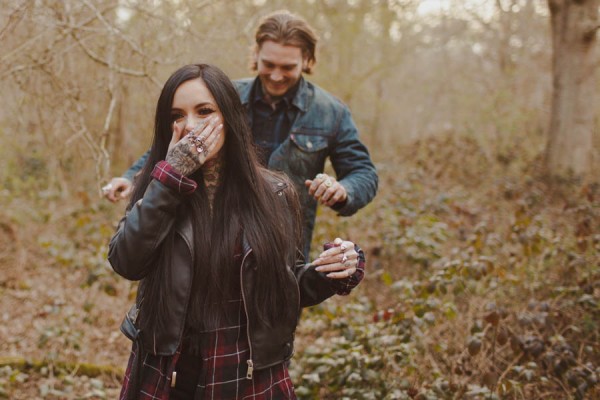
[117, 189]
[326, 189]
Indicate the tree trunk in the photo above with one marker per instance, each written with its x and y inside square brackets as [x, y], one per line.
[569, 148]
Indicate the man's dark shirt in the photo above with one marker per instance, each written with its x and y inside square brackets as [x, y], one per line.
[271, 126]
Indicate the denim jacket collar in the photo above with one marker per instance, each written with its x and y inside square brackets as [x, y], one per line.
[301, 100]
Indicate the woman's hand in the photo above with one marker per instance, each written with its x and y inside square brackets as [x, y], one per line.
[340, 261]
[188, 152]
[117, 189]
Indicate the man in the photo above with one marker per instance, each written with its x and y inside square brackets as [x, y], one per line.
[296, 125]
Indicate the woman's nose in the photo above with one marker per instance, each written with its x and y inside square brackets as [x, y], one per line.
[190, 123]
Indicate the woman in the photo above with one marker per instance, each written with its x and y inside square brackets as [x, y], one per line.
[213, 237]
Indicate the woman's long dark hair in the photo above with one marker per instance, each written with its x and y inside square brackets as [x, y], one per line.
[245, 201]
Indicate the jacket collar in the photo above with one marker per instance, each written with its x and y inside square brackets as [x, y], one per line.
[300, 100]
[184, 225]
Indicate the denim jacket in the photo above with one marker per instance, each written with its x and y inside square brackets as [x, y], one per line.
[322, 128]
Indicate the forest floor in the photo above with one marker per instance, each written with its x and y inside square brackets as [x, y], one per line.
[483, 282]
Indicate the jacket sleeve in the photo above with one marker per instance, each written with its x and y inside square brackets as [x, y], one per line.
[353, 167]
[136, 167]
[316, 287]
[143, 229]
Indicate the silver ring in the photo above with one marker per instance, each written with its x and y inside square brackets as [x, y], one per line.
[107, 188]
[328, 183]
[344, 258]
[320, 176]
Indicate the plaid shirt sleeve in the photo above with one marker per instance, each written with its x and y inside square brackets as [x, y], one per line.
[168, 176]
[343, 287]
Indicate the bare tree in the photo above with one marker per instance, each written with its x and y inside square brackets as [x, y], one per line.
[570, 146]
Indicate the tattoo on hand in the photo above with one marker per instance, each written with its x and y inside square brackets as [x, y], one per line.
[183, 158]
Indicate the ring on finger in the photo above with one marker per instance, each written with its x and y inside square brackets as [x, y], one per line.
[344, 258]
[199, 143]
[328, 183]
[107, 188]
[320, 176]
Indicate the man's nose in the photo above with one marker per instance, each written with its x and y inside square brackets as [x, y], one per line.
[276, 76]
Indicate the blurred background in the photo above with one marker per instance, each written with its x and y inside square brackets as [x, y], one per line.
[482, 244]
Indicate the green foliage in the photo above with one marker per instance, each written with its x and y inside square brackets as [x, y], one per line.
[477, 288]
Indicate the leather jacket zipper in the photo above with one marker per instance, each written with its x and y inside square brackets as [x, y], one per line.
[249, 361]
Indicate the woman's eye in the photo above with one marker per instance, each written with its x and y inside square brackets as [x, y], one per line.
[205, 111]
[177, 117]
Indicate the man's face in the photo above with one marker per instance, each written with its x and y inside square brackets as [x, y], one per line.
[279, 67]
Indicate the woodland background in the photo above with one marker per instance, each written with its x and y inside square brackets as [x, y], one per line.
[482, 244]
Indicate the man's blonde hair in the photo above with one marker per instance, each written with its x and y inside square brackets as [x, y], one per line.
[288, 29]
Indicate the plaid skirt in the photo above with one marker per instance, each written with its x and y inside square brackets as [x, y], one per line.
[218, 367]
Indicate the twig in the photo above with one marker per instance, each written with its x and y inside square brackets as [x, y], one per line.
[90, 53]
[565, 389]
[79, 369]
[114, 30]
[507, 369]
[17, 14]
[590, 33]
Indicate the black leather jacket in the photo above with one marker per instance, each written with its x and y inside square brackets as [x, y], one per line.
[132, 253]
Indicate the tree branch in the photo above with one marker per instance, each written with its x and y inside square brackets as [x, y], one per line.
[122, 70]
[13, 20]
[554, 5]
[114, 30]
[590, 34]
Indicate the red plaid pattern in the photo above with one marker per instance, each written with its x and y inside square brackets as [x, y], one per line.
[223, 353]
[157, 372]
[168, 176]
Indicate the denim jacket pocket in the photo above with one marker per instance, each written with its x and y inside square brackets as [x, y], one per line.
[307, 154]
[310, 140]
